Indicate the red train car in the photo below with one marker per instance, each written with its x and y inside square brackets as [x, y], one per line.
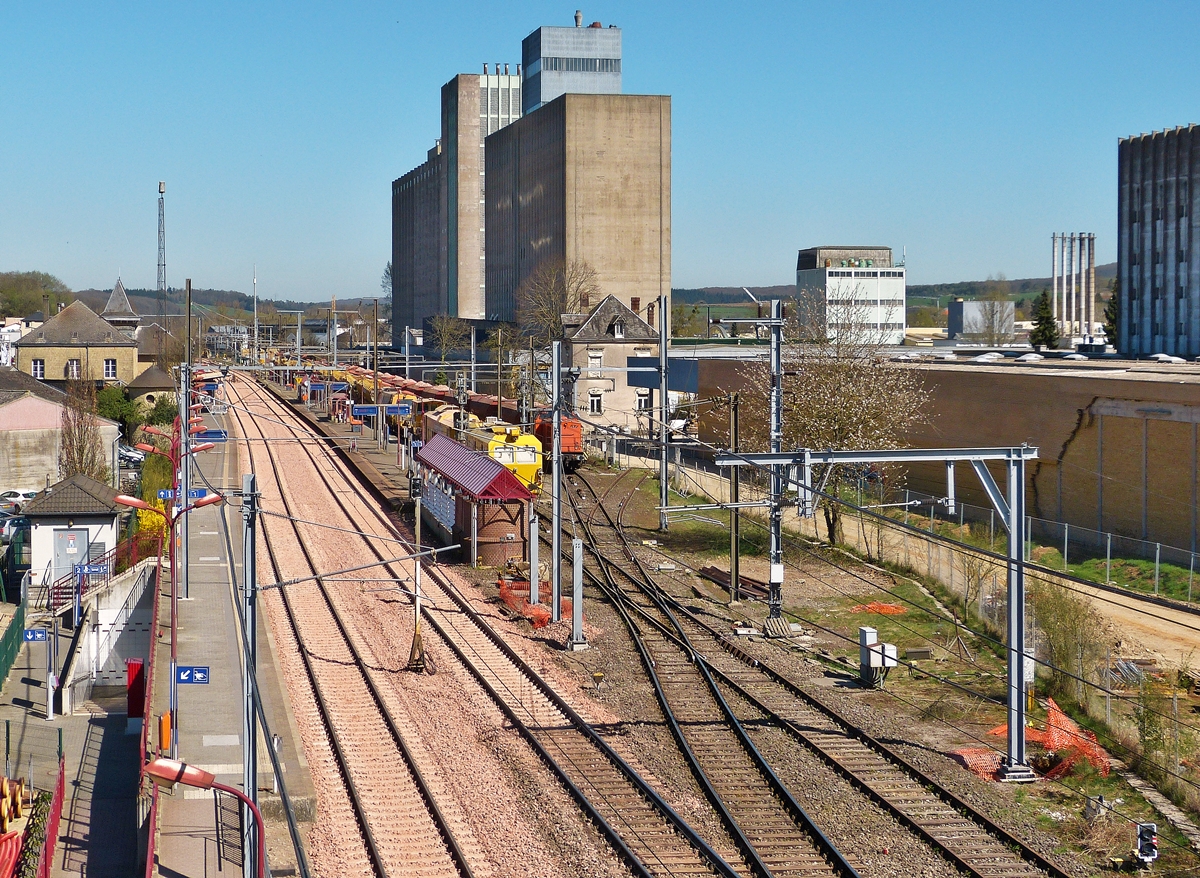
[571, 440]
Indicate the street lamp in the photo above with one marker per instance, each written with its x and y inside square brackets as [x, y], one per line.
[171, 521]
[168, 772]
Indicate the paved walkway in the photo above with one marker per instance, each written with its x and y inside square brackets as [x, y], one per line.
[210, 715]
[98, 833]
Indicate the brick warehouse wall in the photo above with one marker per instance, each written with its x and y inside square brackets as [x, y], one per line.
[1118, 446]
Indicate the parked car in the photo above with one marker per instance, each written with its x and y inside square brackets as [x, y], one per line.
[18, 496]
[130, 456]
[9, 506]
[9, 526]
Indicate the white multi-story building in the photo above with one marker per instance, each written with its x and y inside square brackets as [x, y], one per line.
[855, 292]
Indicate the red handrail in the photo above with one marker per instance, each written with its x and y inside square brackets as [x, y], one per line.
[118, 559]
[46, 855]
[153, 828]
[146, 712]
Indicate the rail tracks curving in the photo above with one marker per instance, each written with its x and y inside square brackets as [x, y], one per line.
[970, 840]
[639, 824]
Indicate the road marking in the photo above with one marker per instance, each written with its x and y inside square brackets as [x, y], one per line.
[209, 558]
[223, 768]
[221, 740]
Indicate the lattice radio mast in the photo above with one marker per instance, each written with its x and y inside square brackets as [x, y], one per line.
[162, 267]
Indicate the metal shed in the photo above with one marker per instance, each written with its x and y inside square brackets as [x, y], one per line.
[473, 500]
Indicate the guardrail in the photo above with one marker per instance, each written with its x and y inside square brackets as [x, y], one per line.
[61, 593]
[45, 863]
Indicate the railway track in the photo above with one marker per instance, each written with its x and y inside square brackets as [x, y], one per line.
[637, 822]
[971, 841]
[400, 825]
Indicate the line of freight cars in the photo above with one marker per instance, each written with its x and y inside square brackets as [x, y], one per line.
[502, 437]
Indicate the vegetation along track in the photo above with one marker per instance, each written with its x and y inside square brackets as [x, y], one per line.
[970, 840]
[651, 837]
[401, 827]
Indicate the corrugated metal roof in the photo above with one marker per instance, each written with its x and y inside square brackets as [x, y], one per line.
[472, 472]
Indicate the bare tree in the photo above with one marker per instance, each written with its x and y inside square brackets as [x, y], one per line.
[81, 449]
[991, 321]
[553, 289]
[840, 390]
[448, 333]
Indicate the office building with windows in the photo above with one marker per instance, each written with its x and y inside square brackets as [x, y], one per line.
[570, 60]
[438, 243]
[1158, 245]
[853, 294]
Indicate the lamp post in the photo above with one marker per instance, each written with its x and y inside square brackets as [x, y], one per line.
[168, 772]
[171, 521]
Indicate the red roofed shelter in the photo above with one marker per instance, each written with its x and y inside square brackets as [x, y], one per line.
[473, 500]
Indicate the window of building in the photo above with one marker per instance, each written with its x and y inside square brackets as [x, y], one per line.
[110, 369]
[643, 400]
[72, 368]
[595, 363]
[596, 402]
[617, 329]
[582, 65]
[39, 370]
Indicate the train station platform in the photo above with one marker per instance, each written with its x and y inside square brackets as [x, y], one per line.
[210, 714]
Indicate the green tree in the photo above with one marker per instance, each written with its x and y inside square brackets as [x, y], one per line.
[1045, 327]
[112, 403]
[1112, 311]
[164, 412]
[21, 292]
[385, 283]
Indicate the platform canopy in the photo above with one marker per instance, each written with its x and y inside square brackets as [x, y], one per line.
[473, 473]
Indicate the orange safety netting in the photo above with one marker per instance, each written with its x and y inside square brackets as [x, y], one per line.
[1064, 737]
[881, 608]
[515, 594]
[983, 761]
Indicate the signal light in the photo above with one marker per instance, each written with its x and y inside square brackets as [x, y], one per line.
[1147, 842]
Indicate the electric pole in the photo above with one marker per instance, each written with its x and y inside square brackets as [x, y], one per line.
[416, 656]
[735, 519]
[249, 667]
[775, 593]
[664, 413]
[556, 483]
[162, 269]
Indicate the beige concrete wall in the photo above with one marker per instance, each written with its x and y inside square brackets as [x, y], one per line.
[585, 177]
[91, 360]
[1117, 446]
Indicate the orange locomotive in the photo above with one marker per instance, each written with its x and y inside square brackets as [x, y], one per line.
[571, 439]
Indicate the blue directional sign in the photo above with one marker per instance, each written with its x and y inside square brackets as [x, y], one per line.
[361, 411]
[197, 493]
[403, 409]
[91, 569]
[166, 493]
[36, 635]
[393, 410]
[211, 436]
[192, 674]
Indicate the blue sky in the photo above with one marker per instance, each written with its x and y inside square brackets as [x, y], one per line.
[964, 132]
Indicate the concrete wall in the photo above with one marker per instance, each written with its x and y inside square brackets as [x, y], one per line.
[30, 436]
[418, 289]
[586, 177]
[1158, 242]
[1118, 447]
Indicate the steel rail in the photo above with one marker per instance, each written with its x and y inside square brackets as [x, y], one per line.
[985, 823]
[440, 821]
[715, 861]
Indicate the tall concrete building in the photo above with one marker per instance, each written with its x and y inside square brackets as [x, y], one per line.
[1158, 246]
[437, 208]
[857, 293]
[584, 178]
[570, 60]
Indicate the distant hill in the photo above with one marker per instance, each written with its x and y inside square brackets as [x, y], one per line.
[145, 302]
[721, 295]
[1017, 289]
